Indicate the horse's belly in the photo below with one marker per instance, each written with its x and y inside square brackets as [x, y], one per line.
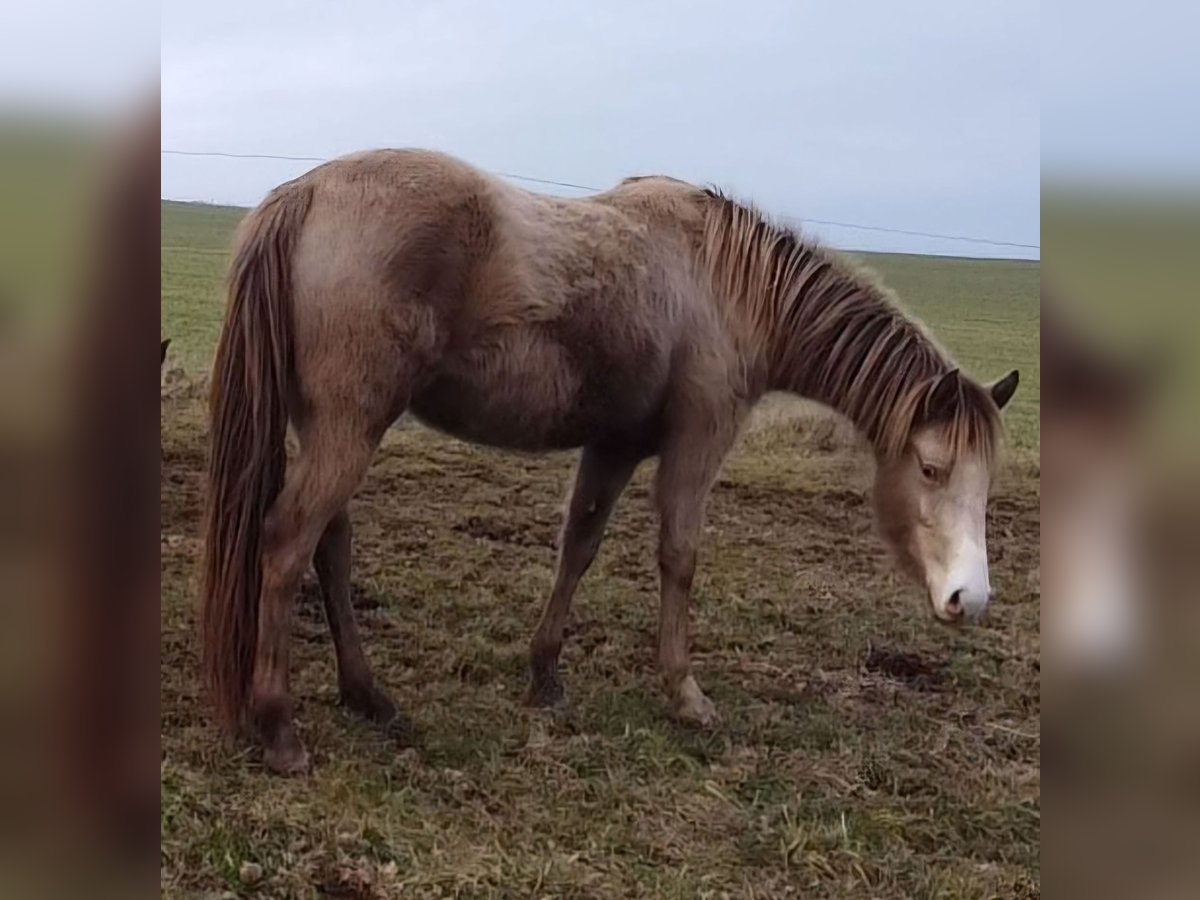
[497, 418]
[531, 393]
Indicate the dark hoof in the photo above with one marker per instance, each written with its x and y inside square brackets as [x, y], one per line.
[286, 756]
[547, 694]
[283, 751]
[380, 710]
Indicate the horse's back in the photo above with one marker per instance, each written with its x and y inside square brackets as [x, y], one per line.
[565, 333]
[524, 320]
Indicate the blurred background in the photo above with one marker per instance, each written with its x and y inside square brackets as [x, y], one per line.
[1120, 487]
[78, 465]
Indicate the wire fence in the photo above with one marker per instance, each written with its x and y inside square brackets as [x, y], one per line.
[800, 221]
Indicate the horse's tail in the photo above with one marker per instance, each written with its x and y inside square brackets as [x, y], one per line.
[251, 377]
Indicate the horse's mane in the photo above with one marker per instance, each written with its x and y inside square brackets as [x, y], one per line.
[831, 332]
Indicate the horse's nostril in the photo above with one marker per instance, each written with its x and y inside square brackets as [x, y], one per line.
[954, 605]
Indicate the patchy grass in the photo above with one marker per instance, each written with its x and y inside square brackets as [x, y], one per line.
[865, 751]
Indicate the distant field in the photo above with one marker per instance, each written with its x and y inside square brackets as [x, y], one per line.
[194, 257]
[865, 752]
[984, 311]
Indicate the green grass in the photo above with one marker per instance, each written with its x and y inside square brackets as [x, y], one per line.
[194, 258]
[827, 779]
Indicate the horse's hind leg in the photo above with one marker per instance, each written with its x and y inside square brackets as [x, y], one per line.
[356, 685]
[599, 482]
[328, 469]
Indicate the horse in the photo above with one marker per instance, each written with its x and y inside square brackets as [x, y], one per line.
[644, 321]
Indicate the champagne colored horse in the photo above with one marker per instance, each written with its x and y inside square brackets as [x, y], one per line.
[645, 321]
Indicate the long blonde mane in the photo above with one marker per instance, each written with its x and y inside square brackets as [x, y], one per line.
[832, 333]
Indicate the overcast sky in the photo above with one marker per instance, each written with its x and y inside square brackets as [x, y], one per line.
[921, 116]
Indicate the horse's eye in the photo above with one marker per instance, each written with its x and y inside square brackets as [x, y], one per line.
[929, 472]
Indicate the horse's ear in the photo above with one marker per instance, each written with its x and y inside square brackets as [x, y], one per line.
[943, 397]
[1003, 389]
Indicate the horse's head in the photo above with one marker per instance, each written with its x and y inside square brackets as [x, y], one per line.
[931, 495]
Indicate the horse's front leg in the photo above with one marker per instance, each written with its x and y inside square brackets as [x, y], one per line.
[686, 474]
[599, 481]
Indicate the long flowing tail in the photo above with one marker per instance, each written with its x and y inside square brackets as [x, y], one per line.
[247, 456]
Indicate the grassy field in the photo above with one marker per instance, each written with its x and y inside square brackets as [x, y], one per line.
[864, 752]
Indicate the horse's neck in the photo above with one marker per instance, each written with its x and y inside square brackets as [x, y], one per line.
[847, 346]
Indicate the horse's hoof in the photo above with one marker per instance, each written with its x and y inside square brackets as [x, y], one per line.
[547, 694]
[286, 756]
[693, 708]
[702, 715]
[371, 703]
[275, 732]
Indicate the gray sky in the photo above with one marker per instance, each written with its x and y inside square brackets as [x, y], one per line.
[1120, 92]
[918, 115]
